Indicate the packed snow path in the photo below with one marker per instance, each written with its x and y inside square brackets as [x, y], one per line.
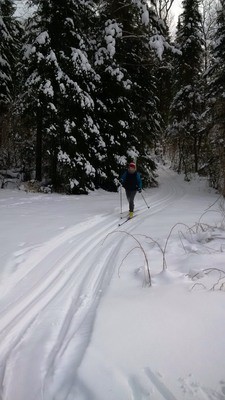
[59, 255]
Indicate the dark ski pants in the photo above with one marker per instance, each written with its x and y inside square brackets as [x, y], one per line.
[130, 197]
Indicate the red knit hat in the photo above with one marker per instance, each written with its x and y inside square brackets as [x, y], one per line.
[132, 165]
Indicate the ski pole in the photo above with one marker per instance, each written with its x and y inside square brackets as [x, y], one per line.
[121, 201]
[145, 200]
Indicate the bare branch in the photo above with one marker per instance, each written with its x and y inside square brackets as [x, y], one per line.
[149, 281]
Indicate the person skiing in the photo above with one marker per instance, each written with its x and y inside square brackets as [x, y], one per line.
[131, 181]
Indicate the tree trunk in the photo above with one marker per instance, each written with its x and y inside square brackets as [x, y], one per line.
[54, 172]
[223, 191]
[39, 135]
[197, 150]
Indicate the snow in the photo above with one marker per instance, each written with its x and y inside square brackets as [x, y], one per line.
[157, 42]
[113, 30]
[115, 72]
[63, 157]
[89, 169]
[143, 9]
[47, 88]
[42, 38]
[73, 183]
[78, 319]
[121, 160]
[3, 62]
[80, 60]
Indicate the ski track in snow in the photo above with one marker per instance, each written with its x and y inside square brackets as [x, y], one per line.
[150, 385]
[56, 292]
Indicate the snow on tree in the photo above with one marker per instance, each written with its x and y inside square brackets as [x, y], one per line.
[60, 83]
[89, 89]
[10, 32]
[216, 101]
[5, 72]
[114, 107]
[217, 69]
[125, 60]
[209, 14]
[187, 107]
[7, 51]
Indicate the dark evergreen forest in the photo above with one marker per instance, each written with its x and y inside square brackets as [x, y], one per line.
[86, 86]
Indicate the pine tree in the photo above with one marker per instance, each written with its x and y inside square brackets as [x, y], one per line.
[129, 117]
[187, 105]
[217, 69]
[216, 82]
[114, 107]
[10, 32]
[91, 89]
[5, 75]
[60, 83]
[8, 49]
[164, 75]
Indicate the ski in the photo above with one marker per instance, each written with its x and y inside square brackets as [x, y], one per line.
[125, 214]
[126, 220]
[123, 222]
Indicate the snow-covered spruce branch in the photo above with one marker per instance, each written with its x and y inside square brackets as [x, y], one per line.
[139, 246]
[128, 36]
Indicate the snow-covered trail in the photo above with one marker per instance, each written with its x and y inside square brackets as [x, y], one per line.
[62, 283]
[167, 342]
[49, 299]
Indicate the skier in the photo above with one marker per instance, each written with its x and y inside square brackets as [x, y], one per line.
[131, 181]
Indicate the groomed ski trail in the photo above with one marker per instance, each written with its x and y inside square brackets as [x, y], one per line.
[67, 291]
[56, 292]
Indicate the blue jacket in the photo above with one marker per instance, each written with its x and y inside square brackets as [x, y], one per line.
[131, 181]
